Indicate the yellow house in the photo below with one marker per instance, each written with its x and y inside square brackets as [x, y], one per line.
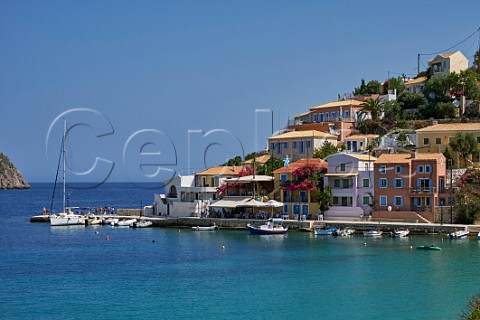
[444, 64]
[299, 144]
[416, 85]
[436, 138]
[298, 201]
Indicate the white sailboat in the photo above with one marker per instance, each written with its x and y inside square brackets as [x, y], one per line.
[66, 217]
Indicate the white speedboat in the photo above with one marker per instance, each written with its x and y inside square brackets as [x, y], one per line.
[344, 232]
[142, 224]
[66, 217]
[372, 233]
[126, 222]
[399, 233]
[458, 234]
[273, 226]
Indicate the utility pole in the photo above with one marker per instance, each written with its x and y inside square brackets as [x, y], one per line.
[418, 64]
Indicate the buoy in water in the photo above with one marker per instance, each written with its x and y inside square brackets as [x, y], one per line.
[364, 244]
[223, 247]
[107, 238]
[96, 232]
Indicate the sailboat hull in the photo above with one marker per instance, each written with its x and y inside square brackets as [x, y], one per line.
[67, 220]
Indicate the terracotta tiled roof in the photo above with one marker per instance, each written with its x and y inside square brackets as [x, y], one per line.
[302, 114]
[428, 156]
[361, 156]
[300, 163]
[394, 158]
[260, 159]
[452, 127]
[416, 81]
[222, 170]
[338, 104]
[303, 134]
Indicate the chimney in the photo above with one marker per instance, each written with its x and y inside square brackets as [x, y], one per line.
[413, 154]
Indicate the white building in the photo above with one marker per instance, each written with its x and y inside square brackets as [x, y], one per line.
[351, 178]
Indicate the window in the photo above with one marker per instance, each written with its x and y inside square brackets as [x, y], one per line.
[398, 201]
[314, 117]
[294, 144]
[478, 139]
[336, 183]
[398, 169]
[382, 169]
[342, 167]
[283, 177]
[383, 201]
[420, 169]
[335, 201]
[285, 208]
[438, 140]
[417, 202]
[398, 183]
[309, 144]
[366, 200]
[382, 183]
[426, 141]
[366, 166]
[345, 183]
[428, 168]
[332, 115]
[346, 201]
[285, 145]
[428, 202]
[366, 183]
[272, 146]
[326, 116]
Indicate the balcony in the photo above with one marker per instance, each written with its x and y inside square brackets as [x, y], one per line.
[423, 190]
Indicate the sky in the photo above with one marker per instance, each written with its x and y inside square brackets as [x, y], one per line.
[152, 89]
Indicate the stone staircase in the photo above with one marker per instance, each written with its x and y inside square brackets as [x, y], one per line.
[422, 218]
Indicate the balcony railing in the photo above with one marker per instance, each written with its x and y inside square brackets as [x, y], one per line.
[424, 190]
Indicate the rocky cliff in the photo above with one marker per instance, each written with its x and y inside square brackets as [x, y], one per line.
[10, 177]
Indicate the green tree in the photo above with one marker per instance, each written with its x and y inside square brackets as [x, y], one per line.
[362, 90]
[465, 144]
[374, 87]
[467, 205]
[374, 107]
[394, 84]
[402, 138]
[449, 158]
[271, 165]
[445, 110]
[465, 83]
[409, 100]
[327, 149]
[237, 161]
[325, 198]
[437, 90]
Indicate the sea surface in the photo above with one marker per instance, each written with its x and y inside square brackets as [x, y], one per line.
[165, 273]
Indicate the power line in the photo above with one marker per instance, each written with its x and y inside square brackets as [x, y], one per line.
[429, 54]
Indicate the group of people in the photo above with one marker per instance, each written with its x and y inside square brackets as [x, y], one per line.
[104, 210]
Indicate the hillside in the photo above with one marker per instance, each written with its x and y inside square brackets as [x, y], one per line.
[10, 177]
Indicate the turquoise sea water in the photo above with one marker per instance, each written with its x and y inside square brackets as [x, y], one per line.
[157, 273]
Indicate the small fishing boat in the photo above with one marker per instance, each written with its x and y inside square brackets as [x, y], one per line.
[458, 234]
[273, 226]
[399, 233]
[372, 233]
[142, 224]
[209, 228]
[325, 232]
[430, 247]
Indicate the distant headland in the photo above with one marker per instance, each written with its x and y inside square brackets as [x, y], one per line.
[10, 177]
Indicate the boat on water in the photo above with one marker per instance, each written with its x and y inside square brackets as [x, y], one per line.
[273, 226]
[66, 217]
[125, 222]
[344, 232]
[458, 234]
[399, 233]
[430, 247]
[325, 232]
[141, 224]
[208, 228]
[372, 233]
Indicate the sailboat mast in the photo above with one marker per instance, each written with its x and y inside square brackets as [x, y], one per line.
[64, 162]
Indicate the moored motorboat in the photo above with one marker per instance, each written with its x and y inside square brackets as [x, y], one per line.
[208, 228]
[142, 224]
[344, 232]
[325, 232]
[126, 222]
[458, 234]
[399, 233]
[273, 226]
[430, 247]
[372, 233]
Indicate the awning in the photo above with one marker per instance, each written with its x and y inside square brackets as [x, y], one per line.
[229, 202]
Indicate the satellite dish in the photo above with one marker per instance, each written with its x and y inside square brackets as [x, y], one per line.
[389, 208]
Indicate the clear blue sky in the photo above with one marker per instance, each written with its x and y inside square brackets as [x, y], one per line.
[194, 65]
